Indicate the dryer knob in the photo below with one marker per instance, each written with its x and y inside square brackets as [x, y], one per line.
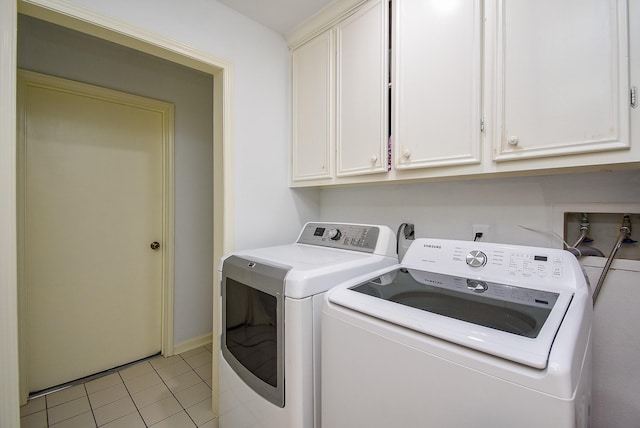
[476, 258]
[335, 234]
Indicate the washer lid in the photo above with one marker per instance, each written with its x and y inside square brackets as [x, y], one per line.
[509, 321]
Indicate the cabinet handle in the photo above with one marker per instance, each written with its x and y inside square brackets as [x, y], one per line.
[406, 154]
[513, 140]
[374, 159]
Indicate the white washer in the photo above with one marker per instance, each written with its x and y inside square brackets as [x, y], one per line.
[271, 304]
[460, 334]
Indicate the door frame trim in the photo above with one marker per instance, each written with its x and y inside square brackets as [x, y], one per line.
[221, 70]
[9, 401]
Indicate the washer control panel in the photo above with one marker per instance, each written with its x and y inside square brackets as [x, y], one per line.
[346, 236]
[521, 262]
[493, 262]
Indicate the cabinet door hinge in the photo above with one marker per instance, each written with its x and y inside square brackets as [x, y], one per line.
[482, 124]
[633, 97]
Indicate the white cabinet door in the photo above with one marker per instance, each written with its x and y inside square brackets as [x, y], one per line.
[362, 91]
[562, 78]
[437, 83]
[340, 99]
[313, 109]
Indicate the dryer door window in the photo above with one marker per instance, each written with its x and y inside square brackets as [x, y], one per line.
[252, 330]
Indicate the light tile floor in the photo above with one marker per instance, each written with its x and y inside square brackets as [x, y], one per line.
[172, 392]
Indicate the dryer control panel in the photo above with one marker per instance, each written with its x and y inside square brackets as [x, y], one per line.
[346, 236]
[339, 235]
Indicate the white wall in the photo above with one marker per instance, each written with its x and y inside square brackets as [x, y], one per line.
[266, 211]
[448, 209]
[616, 345]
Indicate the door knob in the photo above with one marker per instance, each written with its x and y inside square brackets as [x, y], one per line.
[155, 245]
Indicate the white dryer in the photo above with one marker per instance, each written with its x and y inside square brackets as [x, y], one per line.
[460, 334]
[271, 304]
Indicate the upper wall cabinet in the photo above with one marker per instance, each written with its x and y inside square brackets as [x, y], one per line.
[478, 87]
[562, 78]
[437, 83]
[340, 99]
[312, 69]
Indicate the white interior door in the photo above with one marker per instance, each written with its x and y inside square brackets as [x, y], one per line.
[92, 190]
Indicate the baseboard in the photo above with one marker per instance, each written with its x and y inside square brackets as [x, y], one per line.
[193, 343]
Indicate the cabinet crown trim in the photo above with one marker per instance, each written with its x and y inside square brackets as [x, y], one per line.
[321, 21]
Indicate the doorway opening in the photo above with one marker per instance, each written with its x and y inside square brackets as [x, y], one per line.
[220, 72]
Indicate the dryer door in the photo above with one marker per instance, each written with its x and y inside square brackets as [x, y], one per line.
[253, 324]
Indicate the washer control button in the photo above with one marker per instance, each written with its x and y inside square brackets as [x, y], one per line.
[476, 258]
[477, 286]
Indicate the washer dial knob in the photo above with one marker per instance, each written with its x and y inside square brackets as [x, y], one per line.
[476, 258]
[477, 286]
[335, 234]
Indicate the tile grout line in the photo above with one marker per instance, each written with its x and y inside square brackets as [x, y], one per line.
[131, 396]
[203, 380]
[174, 396]
[61, 404]
[93, 415]
[46, 409]
[171, 391]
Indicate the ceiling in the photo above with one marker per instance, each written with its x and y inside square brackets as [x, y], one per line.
[281, 16]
